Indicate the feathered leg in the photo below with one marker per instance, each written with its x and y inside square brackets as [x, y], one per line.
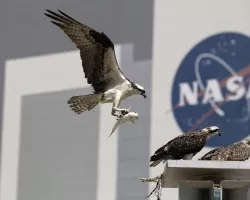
[188, 156]
[118, 112]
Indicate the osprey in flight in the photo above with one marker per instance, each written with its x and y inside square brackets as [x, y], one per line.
[185, 146]
[239, 151]
[99, 65]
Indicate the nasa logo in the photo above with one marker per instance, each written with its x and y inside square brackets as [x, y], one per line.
[211, 87]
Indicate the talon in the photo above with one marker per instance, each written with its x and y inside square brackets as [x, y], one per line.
[124, 112]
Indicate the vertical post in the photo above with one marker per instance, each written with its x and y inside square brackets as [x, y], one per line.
[217, 193]
[235, 190]
[196, 190]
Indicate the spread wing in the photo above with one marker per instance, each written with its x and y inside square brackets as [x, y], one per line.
[96, 50]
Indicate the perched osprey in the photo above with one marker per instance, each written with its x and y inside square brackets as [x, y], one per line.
[99, 65]
[184, 146]
[239, 151]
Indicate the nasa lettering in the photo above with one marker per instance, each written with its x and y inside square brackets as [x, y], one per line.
[212, 87]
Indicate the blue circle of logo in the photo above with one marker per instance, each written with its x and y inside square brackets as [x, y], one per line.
[211, 87]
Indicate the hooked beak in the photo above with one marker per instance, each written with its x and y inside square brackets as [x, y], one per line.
[144, 95]
[219, 133]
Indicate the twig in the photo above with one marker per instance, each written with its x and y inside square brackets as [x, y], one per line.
[155, 179]
[158, 187]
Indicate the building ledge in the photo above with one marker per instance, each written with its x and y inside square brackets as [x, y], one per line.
[177, 171]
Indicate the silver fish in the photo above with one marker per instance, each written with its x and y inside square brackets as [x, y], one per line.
[129, 117]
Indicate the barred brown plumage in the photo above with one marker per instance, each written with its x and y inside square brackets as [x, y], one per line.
[239, 151]
[184, 146]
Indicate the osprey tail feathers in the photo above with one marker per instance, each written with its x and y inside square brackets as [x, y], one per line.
[155, 159]
[80, 104]
[153, 164]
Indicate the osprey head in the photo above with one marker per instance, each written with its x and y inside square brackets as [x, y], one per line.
[247, 141]
[211, 131]
[138, 89]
